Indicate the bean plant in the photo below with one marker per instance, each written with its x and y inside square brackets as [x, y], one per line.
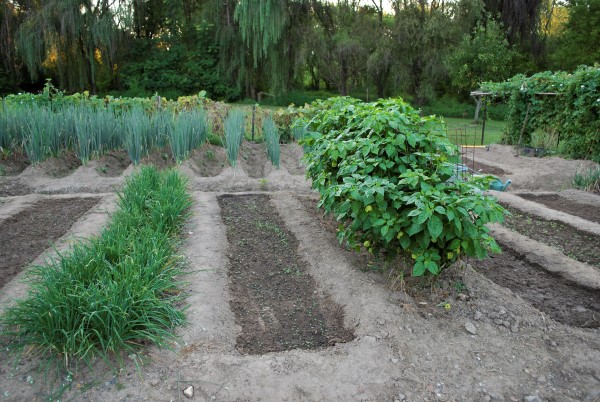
[384, 172]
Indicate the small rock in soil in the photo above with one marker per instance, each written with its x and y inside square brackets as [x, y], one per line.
[401, 397]
[514, 328]
[394, 360]
[532, 398]
[189, 391]
[471, 328]
[593, 396]
[477, 315]
[154, 382]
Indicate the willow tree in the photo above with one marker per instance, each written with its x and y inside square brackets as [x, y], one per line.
[259, 41]
[71, 36]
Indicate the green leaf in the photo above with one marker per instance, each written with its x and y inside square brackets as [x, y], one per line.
[432, 267]
[419, 268]
[435, 226]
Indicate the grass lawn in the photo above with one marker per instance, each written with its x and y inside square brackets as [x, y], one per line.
[472, 132]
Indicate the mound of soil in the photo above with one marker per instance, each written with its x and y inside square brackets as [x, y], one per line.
[59, 167]
[556, 202]
[27, 234]
[160, 158]
[13, 164]
[113, 163]
[274, 297]
[209, 160]
[562, 300]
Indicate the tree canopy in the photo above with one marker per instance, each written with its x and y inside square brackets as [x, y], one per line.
[420, 49]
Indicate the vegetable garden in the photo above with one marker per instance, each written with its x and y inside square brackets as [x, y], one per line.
[229, 277]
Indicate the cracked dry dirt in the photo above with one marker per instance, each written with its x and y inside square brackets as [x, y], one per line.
[344, 332]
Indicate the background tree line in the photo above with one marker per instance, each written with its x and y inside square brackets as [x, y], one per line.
[235, 49]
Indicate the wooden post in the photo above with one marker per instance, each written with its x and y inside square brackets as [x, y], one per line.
[484, 118]
[523, 128]
[253, 112]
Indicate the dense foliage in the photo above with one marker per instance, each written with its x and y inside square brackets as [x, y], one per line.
[49, 123]
[388, 176]
[113, 292]
[565, 106]
[255, 49]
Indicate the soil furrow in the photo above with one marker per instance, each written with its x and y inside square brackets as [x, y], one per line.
[275, 299]
[27, 234]
[578, 245]
[561, 299]
[556, 202]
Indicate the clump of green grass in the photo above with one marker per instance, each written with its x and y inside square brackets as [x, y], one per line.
[234, 134]
[272, 140]
[588, 179]
[114, 292]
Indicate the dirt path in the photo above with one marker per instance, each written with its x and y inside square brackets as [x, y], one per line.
[404, 349]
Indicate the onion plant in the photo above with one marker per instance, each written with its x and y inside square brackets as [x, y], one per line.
[188, 133]
[271, 135]
[234, 134]
[114, 292]
[138, 130]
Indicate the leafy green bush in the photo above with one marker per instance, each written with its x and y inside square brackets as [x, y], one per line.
[387, 175]
[114, 292]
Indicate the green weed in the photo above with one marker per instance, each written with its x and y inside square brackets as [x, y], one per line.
[587, 179]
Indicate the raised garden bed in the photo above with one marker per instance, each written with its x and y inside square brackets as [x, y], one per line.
[274, 297]
[578, 245]
[27, 234]
[553, 295]
[556, 202]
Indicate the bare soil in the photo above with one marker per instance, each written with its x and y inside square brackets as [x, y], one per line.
[253, 159]
[483, 168]
[28, 233]
[208, 161]
[112, 164]
[9, 188]
[536, 334]
[559, 203]
[58, 167]
[578, 245]
[274, 296]
[13, 164]
[560, 299]
[161, 158]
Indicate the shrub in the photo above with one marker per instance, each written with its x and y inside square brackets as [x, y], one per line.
[386, 174]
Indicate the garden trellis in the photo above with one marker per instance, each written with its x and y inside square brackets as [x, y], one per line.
[560, 103]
